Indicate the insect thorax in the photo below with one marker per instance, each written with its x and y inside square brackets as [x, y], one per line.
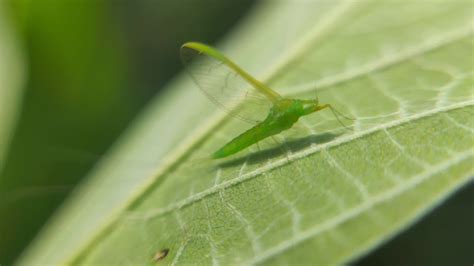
[285, 113]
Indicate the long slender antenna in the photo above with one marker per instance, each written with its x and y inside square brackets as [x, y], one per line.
[336, 113]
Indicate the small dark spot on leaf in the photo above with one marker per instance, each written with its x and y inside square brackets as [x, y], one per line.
[161, 254]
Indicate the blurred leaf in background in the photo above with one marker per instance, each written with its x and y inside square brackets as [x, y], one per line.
[11, 82]
[91, 65]
[75, 103]
[154, 31]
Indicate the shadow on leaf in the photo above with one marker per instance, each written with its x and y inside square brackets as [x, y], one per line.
[282, 149]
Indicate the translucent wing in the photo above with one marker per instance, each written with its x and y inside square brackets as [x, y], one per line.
[226, 84]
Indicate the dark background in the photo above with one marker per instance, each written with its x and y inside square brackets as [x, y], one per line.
[92, 66]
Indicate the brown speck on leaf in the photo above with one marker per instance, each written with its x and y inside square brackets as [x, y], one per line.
[161, 254]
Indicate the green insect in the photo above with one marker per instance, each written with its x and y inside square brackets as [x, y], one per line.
[225, 83]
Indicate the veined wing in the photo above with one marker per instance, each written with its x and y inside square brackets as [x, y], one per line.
[226, 84]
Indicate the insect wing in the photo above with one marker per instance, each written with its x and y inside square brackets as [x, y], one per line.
[223, 85]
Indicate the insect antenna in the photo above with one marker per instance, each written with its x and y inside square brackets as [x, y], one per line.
[336, 113]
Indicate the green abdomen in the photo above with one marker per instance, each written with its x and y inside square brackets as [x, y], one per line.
[244, 140]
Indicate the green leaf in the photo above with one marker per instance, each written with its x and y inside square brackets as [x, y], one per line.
[324, 195]
[11, 83]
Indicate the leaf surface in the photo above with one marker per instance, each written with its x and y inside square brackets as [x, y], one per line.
[322, 194]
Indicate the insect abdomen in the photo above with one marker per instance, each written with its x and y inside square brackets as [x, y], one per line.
[241, 142]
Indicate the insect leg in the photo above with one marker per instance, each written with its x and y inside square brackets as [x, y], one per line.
[258, 146]
[285, 152]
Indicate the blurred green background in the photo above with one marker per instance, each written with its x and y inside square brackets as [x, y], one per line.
[89, 68]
